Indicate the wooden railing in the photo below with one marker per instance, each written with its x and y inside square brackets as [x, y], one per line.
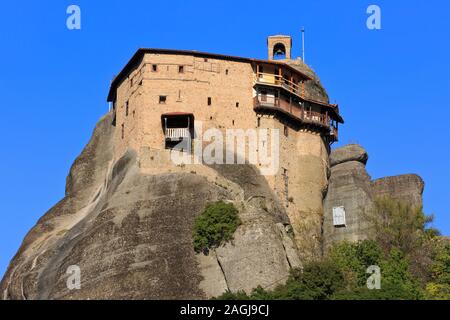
[273, 79]
[297, 111]
[177, 133]
[316, 117]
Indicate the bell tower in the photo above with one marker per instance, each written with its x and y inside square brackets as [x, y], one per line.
[279, 47]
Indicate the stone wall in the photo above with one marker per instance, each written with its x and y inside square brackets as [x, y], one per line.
[227, 83]
[301, 179]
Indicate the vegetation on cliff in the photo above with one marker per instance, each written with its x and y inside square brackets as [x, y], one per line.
[414, 263]
[215, 225]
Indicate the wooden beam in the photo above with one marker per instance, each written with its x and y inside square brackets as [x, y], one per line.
[290, 104]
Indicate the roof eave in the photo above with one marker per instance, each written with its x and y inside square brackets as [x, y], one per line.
[141, 51]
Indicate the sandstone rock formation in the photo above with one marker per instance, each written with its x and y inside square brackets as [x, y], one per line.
[350, 152]
[407, 188]
[130, 234]
[350, 186]
[130, 230]
[314, 89]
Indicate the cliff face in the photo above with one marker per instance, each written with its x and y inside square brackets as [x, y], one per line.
[130, 234]
[351, 187]
[407, 188]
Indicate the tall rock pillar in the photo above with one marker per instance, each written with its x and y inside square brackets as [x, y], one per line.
[348, 197]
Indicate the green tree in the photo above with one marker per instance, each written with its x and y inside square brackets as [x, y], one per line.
[353, 259]
[214, 226]
[398, 225]
[397, 278]
[439, 286]
[397, 283]
[318, 281]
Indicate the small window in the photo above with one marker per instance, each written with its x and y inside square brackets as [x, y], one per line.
[237, 104]
[134, 113]
[339, 216]
[286, 131]
[205, 59]
[154, 67]
[162, 99]
[209, 101]
[180, 69]
[126, 109]
[233, 122]
[258, 122]
[226, 71]
[123, 130]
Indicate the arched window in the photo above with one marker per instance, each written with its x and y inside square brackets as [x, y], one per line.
[279, 51]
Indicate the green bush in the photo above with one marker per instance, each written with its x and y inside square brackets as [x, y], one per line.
[342, 276]
[228, 295]
[439, 286]
[214, 226]
[414, 263]
[397, 224]
[318, 281]
[387, 292]
[354, 258]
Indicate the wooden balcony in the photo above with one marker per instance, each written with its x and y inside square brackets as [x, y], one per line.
[281, 82]
[333, 134]
[298, 113]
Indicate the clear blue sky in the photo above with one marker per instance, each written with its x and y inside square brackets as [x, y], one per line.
[393, 85]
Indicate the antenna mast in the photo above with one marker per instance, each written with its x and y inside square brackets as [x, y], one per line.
[303, 44]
